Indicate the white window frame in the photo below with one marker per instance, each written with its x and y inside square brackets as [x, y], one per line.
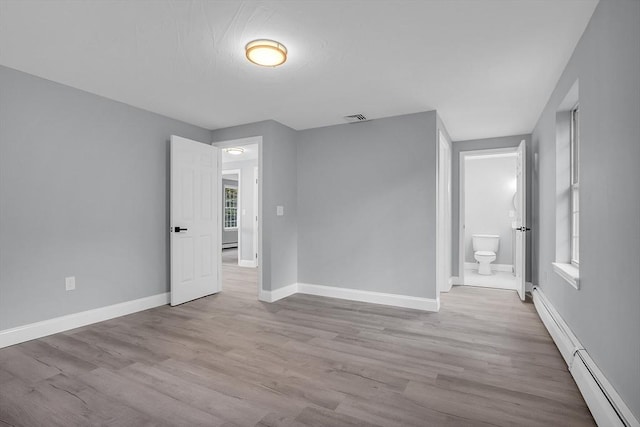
[574, 145]
[225, 207]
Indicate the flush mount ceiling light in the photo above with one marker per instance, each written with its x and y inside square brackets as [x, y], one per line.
[236, 151]
[267, 53]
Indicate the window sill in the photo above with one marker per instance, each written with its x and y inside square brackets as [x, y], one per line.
[230, 228]
[568, 272]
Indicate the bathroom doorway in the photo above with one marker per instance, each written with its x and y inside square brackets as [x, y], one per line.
[490, 214]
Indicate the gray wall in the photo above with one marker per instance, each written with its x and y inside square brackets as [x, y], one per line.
[604, 313]
[481, 144]
[367, 205]
[228, 236]
[84, 193]
[246, 204]
[489, 191]
[279, 233]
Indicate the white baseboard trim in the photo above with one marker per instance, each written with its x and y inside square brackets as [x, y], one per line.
[455, 280]
[41, 329]
[605, 404]
[494, 267]
[248, 264]
[405, 301]
[278, 294]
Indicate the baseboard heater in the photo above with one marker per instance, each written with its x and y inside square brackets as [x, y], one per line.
[606, 405]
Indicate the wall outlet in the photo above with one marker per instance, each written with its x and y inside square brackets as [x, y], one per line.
[70, 283]
[279, 210]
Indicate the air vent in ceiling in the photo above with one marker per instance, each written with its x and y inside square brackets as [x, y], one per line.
[356, 118]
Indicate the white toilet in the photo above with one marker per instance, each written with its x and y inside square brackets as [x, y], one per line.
[485, 247]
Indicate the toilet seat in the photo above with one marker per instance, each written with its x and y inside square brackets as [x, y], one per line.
[485, 253]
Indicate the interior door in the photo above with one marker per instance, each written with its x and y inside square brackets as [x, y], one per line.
[195, 203]
[521, 220]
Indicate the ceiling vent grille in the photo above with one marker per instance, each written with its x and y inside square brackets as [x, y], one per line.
[356, 118]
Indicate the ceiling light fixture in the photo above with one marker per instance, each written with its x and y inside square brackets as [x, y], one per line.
[236, 151]
[267, 53]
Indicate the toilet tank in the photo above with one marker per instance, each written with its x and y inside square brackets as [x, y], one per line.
[485, 242]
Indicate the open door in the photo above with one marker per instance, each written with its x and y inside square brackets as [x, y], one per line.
[521, 220]
[195, 231]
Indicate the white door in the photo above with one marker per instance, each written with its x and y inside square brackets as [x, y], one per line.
[195, 201]
[521, 220]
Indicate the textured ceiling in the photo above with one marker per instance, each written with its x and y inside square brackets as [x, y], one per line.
[487, 66]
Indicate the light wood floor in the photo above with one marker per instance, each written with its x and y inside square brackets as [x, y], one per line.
[230, 360]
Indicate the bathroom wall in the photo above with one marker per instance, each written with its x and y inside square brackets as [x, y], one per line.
[490, 183]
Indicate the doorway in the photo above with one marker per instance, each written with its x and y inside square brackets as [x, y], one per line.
[241, 213]
[492, 212]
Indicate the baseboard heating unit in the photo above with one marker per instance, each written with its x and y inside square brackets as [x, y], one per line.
[606, 405]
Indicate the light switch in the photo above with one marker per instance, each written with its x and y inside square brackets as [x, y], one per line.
[70, 283]
[279, 210]
[244, 212]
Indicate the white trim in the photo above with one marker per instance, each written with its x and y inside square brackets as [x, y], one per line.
[417, 303]
[249, 141]
[256, 208]
[443, 214]
[494, 267]
[405, 301]
[278, 294]
[247, 263]
[568, 272]
[455, 280]
[41, 329]
[605, 404]
[449, 285]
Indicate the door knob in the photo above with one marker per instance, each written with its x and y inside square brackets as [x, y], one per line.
[178, 229]
[523, 229]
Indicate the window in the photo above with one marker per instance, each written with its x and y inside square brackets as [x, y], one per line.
[230, 207]
[575, 185]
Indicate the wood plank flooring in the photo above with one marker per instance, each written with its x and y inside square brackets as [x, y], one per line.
[229, 360]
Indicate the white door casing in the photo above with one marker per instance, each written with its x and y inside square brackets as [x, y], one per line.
[443, 220]
[256, 223]
[195, 220]
[521, 220]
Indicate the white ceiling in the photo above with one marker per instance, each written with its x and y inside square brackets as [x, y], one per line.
[488, 66]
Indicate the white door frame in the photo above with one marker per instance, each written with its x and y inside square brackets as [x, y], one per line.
[443, 215]
[238, 208]
[238, 143]
[256, 209]
[461, 210]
